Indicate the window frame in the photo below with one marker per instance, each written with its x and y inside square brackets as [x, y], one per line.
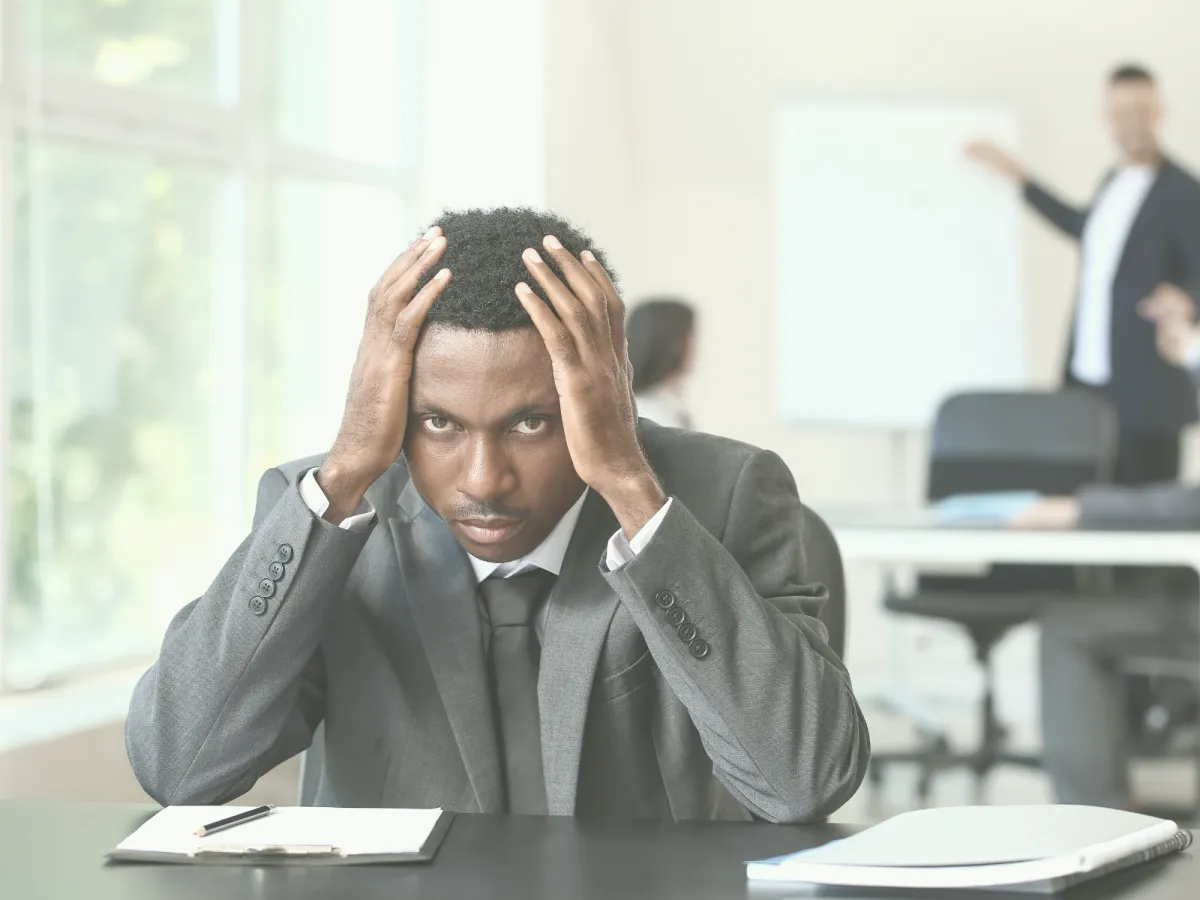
[39, 102]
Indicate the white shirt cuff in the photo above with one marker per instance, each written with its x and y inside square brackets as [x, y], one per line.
[622, 551]
[314, 498]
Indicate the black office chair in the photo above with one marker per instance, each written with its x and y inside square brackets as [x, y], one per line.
[825, 566]
[996, 441]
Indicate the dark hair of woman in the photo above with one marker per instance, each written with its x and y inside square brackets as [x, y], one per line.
[659, 331]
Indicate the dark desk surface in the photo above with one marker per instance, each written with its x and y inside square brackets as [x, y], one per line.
[56, 850]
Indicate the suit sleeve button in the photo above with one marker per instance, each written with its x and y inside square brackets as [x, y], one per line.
[664, 599]
[266, 587]
[258, 606]
[284, 554]
[698, 648]
[676, 617]
[275, 570]
[687, 632]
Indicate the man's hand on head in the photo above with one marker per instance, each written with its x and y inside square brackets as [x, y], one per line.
[1048, 513]
[371, 435]
[586, 343]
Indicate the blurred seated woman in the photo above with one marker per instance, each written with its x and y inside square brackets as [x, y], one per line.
[661, 334]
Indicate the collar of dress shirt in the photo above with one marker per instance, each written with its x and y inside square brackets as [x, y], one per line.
[547, 555]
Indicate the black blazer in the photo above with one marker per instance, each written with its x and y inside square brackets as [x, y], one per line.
[1150, 395]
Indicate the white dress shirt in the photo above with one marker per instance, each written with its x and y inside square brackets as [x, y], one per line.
[1104, 238]
[547, 555]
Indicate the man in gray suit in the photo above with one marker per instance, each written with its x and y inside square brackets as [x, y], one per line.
[501, 593]
[1085, 726]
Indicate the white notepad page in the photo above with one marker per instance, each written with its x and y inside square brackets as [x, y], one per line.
[354, 832]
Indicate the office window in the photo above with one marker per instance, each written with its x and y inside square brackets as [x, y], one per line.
[318, 96]
[182, 295]
[185, 46]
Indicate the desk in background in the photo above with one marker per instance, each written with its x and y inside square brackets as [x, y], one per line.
[892, 538]
[914, 537]
[56, 850]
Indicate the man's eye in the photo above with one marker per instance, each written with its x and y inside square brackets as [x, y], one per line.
[437, 423]
[531, 425]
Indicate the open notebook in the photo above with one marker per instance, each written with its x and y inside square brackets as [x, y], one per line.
[1039, 849]
[290, 834]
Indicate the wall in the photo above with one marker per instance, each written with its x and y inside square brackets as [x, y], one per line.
[659, 128]
[483, 109]
[707, 77]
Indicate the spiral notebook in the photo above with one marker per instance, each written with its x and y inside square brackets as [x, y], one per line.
[1034, 849]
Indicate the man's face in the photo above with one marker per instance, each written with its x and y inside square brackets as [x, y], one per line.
[485, 443]
[1134, 112]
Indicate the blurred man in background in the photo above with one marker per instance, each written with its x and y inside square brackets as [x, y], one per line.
[1140, 241]
[1085, 721]
[662, 339]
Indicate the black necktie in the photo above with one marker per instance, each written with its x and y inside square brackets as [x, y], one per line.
[511, 604]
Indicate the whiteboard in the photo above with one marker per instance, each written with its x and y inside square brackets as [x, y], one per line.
[899, 276]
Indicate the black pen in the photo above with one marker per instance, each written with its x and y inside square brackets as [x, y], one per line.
[240, 819]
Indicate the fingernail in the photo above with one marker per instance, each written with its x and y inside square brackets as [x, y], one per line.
[523, 288]
[587, 256]
[551, 242]
[532, 255]
[432, 233]
[443, 275]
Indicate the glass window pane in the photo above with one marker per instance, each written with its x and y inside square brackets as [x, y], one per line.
[119, 407]
[340, 77]
[178, 45]
[328, 244]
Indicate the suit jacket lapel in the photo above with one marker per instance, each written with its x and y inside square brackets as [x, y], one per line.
[1149, 207]
[440, 588]
[581, 607]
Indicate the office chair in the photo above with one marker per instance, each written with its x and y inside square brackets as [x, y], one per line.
[1000, 441]
[824, 561]
[312, 761]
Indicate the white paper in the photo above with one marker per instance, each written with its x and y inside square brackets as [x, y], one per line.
[354, 832]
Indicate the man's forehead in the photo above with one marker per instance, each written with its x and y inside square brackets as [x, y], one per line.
[496, 371]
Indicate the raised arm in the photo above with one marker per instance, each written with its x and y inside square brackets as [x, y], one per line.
[771, 700]
[1066, 218]
[239, 683]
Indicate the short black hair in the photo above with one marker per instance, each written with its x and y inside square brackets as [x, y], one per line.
[1131, 73]
[658, 331]
[483, 254]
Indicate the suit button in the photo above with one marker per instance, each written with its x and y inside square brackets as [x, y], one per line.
[687, 632]
[258, 606]
[276, 570]
[285, 553]
[699, 648]
[664, 599]
[676, 617]
[266, 587]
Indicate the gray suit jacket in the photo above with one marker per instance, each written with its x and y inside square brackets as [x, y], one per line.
[377, 635]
